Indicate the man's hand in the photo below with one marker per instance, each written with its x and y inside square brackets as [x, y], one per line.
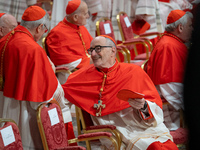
[137, 103]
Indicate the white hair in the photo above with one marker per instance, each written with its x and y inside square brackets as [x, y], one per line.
[34, 24]
[183, 20]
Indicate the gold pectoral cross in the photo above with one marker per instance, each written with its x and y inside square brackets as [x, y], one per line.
[99, 106]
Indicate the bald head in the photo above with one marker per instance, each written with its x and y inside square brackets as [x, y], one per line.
[7, 24]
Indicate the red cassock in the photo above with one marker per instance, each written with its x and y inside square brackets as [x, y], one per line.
[83, 86]
[168, 60]
[27, 72]
[67, 43]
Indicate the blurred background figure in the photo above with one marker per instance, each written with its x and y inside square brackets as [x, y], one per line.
[7, 23]
[15, 7]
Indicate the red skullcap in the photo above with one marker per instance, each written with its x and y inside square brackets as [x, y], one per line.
[1, 14]
[175, 15]
[106, 36]
[140, 26]
[33, 13]
[72, 6]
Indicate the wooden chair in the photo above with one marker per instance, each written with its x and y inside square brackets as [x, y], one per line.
[53, 132]
[9, 135]
[126, 32]
[84, 120]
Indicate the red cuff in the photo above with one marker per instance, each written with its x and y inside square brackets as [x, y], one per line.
[150, 114]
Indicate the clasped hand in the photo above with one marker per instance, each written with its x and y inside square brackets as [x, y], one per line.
[136, 103]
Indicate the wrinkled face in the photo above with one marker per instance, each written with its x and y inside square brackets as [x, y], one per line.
[83, 15]
[187, 30]
[103, 59]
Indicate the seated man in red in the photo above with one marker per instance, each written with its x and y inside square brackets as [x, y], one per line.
[67, 43]
[166, 65]
[140, 120]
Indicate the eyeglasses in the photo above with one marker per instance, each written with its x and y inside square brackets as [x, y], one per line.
[46, 28]
[96, 48]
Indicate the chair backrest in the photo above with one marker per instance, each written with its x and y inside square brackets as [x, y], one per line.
[9, 135]
[125, 27]
[127, 35]
[104, 27]
[126, 30]
[51, 126]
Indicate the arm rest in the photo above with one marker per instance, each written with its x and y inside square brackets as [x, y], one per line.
[138, 41]
[101, 127]
[95, 136]
[149, 34]
[105, 128]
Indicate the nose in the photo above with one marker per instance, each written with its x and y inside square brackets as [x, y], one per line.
[93, 53]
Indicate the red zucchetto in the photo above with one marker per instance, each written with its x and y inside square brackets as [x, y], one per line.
[33, 13]
[106, 36]
[175, 15]
[72, 6]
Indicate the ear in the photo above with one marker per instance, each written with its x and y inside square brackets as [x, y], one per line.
[39, 28]
[180, 28]
[75, 17]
